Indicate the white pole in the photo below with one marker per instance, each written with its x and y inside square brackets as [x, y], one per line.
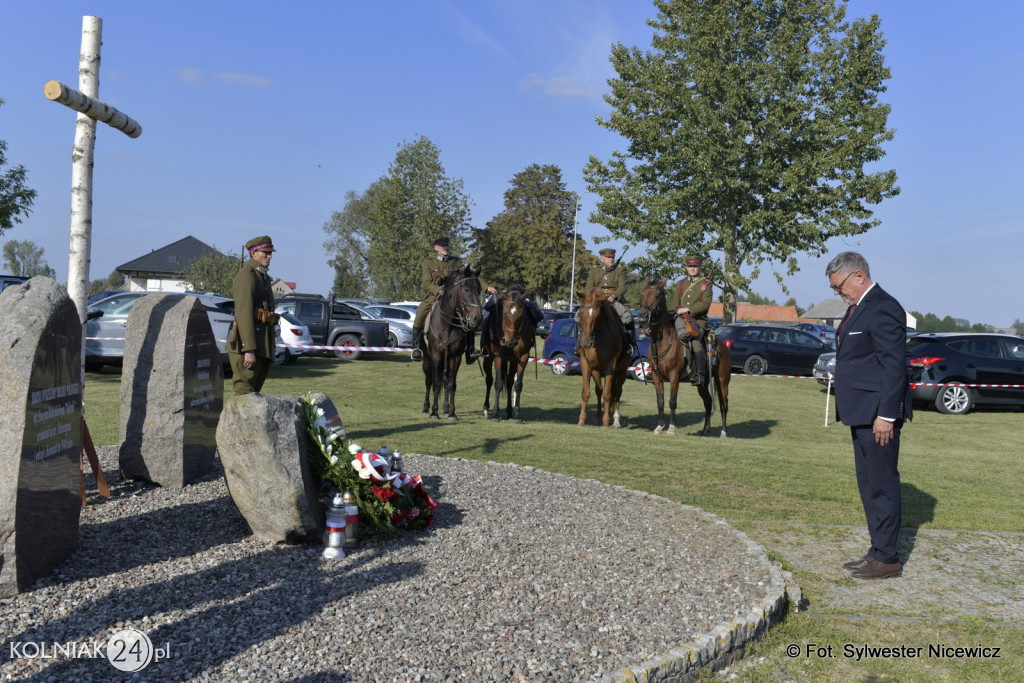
[81, 167]
[828, 395]
[572, 282]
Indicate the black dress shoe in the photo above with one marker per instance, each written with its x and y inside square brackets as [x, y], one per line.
[854, 565]
[874, 569]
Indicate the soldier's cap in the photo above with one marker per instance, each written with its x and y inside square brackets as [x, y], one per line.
[607, 251]
[694, 261]
[262, 243]
[441, 242]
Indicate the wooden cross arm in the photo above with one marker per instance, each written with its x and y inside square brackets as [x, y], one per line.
[58, 92]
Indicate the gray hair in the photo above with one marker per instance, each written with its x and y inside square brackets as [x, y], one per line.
[847, 262]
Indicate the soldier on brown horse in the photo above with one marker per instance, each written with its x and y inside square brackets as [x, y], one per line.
[671, 360]
[602, 356]
[453, 318]
[507, 339]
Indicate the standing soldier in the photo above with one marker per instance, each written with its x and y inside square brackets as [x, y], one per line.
[251, 340]
[435, 268]
[611, 277]
[692, 295]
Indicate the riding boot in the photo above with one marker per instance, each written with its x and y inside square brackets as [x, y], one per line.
[417, 339]
[631, 345]
[485, 335]
[700, 365]
[472, 353]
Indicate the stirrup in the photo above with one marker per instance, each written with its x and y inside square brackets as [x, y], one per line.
[417, 354]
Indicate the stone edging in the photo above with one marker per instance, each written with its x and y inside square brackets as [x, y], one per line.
[723, 644]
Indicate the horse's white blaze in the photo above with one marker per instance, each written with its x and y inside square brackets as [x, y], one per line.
[512, 310]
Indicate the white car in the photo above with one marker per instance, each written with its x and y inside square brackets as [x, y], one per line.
[107, 318]
[291, 334]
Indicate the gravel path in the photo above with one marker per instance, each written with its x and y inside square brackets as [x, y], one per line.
[525, 576]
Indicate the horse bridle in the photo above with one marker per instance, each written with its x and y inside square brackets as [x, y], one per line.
[460, 316]
[652, 314]
[519, 327]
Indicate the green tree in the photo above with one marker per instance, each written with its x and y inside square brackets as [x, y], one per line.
[530, 241]
[113, 281]
[410, 207]
[15, 198]
[347, 246]
[25, 258]
[212, 273]
[749, 125]
[758, 300]
[1018, 326]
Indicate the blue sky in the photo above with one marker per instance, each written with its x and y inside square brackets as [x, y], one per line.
[259, 121]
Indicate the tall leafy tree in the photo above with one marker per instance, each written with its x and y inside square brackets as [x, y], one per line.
[398, 218]
[214, 272]
[751, 125]
[15, 197]
[25, 258]
[530, 241]
[113, 281]
[347, 245]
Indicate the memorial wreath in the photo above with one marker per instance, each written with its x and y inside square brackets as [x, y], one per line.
[389, 500]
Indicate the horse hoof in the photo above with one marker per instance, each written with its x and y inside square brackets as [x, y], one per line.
[671, 431]
[518, 420]
[434, 417]
[495, 418]
[452, 418]
[657, 430]
[722, 435]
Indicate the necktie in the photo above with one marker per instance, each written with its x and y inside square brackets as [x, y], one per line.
[846, 319]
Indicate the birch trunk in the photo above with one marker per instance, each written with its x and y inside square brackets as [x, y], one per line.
[81, 169]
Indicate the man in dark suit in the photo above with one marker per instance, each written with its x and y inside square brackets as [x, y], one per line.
[873, 400]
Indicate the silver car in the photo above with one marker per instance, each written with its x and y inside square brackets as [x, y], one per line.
[107, 319]
[825, 368]
[400, 329]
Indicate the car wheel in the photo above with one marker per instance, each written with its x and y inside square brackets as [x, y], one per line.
[755, 365]
[559, 364]
[392, 340]
[280, 356]
[643, 369]
[953, 400]
[346, 341]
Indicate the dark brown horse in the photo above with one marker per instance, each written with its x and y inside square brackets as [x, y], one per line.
[668, 362]
[512, 335]
[455, 313]
[601, 356]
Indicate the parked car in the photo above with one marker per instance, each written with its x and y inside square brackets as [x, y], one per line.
[402, 316]
[825, 366]
[11, 280]
[757, 349]
[291, 331]
[107, 318]
[543, 328]
[560, 345]
[335, 323]
[825, 333]
[400, 331]
[941, 358]
[103, 294]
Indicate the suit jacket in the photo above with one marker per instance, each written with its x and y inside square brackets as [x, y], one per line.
[871, 362]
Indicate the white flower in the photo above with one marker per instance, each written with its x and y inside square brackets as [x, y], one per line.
[364, 473]
[354, 448]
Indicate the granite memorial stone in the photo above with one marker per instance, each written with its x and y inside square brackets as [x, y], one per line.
[262, 443]
[40, 433]
[172, 391]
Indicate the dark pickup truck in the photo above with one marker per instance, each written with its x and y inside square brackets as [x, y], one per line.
[334, 323]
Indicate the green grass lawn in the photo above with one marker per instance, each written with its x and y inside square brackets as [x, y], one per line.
[780, 465]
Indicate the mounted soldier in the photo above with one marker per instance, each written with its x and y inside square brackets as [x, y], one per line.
[611, 277]
[691, 300]
[436, 268]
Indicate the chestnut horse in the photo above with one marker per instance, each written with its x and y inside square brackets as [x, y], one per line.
[456, 312]
[668, 361]
[601, 355]
[512, 336]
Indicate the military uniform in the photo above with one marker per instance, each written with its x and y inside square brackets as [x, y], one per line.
[694, 293]
[435, 269]
[612, 279]
[251, 290]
